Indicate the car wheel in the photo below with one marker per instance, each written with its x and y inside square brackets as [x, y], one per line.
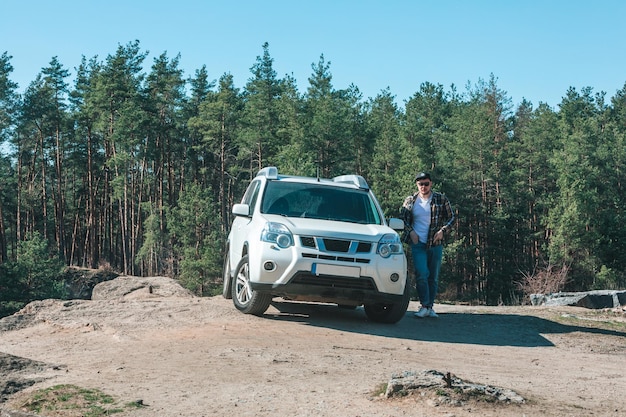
[244, 297]
[227, 291]
[389, 313]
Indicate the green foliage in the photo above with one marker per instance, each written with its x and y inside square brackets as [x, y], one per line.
[198, 241]
[67, 399]
[328, 123]
[8, 308]
[383, 129]
[35, 275]
[8, 96]
[152, 252]
[607, 279]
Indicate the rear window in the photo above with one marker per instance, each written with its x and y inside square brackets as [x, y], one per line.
[293, 199]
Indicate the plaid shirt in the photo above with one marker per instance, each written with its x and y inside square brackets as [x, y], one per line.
[441, 217]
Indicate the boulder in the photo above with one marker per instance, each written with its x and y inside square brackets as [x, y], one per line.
[402, 384]
[130, 287]
[79, 282]
[589, 299]
[15, 374]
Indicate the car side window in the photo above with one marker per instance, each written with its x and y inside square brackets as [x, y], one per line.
[252, 194]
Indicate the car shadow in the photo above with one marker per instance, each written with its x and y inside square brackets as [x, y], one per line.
[465, 328]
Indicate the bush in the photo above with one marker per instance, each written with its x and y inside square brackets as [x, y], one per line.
[545, 281]
[608, 279]
[35, 275]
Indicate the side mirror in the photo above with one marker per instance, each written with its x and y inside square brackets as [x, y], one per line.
[396, 224]
[241, 210]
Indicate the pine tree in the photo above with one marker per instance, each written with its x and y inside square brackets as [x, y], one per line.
[260, 119]
[573, 219]
[383, 127]
[88, 166]
[8, 108]
[217, 124]
[327, 124]
[117, 97]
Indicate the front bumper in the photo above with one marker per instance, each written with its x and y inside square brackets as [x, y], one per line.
[309, 274]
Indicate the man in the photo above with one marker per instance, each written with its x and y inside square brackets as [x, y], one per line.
[428, 218]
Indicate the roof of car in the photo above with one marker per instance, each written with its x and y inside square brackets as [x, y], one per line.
[271, 173]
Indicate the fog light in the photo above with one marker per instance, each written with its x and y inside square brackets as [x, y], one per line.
[395, 277]
[269, 266]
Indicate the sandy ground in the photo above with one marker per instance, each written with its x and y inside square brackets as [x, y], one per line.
[201, 357]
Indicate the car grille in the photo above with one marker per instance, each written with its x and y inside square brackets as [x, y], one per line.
[340, 250]
[331, 281]
[336, 245]
[336, 258]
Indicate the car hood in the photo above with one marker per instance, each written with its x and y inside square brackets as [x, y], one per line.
[331, 228]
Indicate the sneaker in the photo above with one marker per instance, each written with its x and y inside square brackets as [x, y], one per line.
[431, 313]
[423, 312]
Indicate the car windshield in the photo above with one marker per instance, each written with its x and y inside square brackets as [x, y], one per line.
[297, 199]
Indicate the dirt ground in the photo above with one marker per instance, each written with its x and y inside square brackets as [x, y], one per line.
[183, 356]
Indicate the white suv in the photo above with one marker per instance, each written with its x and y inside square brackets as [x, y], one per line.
[315, 240]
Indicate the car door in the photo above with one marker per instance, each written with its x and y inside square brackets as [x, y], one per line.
[242, 225]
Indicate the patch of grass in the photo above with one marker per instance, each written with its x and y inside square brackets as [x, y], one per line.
[71, 400]
[379, 390]
[441, 392]
[602, 319]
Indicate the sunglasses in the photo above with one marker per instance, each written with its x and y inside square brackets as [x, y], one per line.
[423, 184]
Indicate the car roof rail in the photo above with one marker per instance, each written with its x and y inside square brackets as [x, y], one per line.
[357, 180]
[272, 174]
[269, 173]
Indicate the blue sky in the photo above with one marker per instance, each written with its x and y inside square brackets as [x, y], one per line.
[535, 49]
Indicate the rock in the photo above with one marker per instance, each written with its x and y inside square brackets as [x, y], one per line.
[590, 299]
[129, 287]
[29, 314]
[12, 379]
[80, 282]
[454, 390]
[538, 299]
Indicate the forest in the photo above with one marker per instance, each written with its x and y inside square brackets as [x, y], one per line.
[134, 168]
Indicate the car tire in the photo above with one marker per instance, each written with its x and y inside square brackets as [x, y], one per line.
[389, 313]
[226, 290]
[244, 297]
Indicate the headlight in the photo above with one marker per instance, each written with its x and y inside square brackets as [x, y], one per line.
[389, 245]
[277, 233]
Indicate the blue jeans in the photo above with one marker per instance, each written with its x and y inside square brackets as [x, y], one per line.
[427, 263]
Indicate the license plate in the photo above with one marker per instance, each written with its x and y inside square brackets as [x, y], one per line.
[346, 271]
